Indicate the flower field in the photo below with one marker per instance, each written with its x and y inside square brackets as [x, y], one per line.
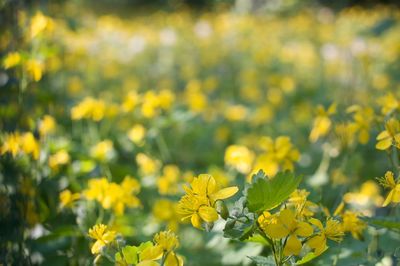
[199, 138]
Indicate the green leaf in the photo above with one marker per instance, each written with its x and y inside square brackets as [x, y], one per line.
[130, 254]
[391, 223]
[308, 257]
[265, 194]
[241, 228]
[260, 260]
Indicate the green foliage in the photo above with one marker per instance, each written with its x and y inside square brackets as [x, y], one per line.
[262, 261]
[265, 194]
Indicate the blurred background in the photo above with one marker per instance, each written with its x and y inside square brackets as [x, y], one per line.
[161, 91]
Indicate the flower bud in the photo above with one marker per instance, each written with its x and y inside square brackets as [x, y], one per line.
[222, 209]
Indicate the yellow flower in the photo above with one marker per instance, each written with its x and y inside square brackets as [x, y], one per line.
[239, 157]
[390, 136]
[166, 211]
[303, 207]
[67, 198]
[39, 23]
[198, 203]
[103, 151]
[35, 69]
[130, 101]
[363, 118]
[102, 236]
[322, 123]
[333, 230]
[60, 158]
[112, 195]
[388, 181]
[30, 145]
[147, 165]
[278, 154]
[167, 240]
[12, 60]
[11, 144]
[351, 223]
[288, 226]
[167, 183]
[137, 134]
[47, 125]
[89, 108]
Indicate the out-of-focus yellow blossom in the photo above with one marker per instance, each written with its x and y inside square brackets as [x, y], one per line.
[131, 100]
[166, 99]
[59, 158]
[103, 237]
[333, 230]
[12, 59]
[137, 133]
[389, 182]
[322, 123]
[368, 196]
[150, 105]
[11, 144]
[220, 176]
[47, 125]
[167, 183]
[67, 198]
[40, 23]
[345, 133]
[363, 118]
[35, 69]
[388, 103]
[390, 136]
[288, 226]
[75, 85]
[30, 145]
[352, 223]
[195, 98]
[239, 157]
[198, 203]
[112, 195]
[103, 151]
[89, 108]
[165, 210]
[279, 154]
[147, 165]
[235, 113]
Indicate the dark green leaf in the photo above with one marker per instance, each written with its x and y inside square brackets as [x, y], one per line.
[265, 194]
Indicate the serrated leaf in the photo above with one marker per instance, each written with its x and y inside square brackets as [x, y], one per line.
[265, 194]
[240, 228]
[260, 260]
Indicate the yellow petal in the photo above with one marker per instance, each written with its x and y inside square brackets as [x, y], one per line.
[208, 214]
[318, 243]
[173, 260]
[288, 218]
[148, 263]
[396, 194]
[383, 135]
[292, 247]
[317, 223]
[97, 247]
[304, 229]
[276, 231]
[384, 144]
[151, 253]
[388, 199]
[224, 193]
[196, 220]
